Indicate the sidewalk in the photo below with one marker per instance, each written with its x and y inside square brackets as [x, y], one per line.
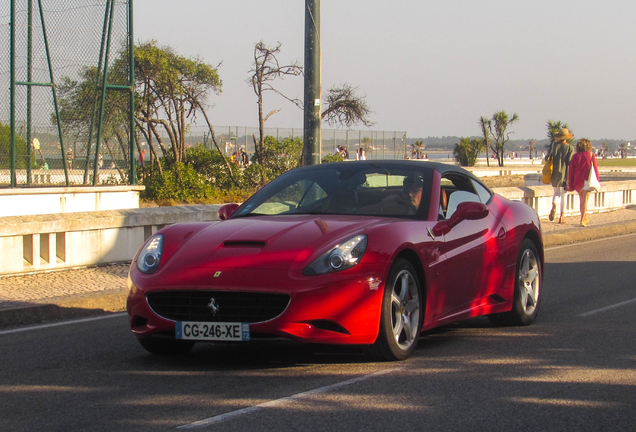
[40, 297]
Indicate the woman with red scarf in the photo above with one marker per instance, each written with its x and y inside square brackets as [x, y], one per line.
[580, 165]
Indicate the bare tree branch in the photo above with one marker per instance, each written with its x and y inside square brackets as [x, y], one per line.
[271, 113]
[345, 108]
[266, 69]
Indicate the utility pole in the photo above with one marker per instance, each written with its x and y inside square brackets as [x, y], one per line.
[312, 137]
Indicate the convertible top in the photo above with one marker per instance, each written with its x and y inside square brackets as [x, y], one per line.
[397, 164]
[340, 189]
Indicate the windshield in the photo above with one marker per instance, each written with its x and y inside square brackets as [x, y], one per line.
[355, 188]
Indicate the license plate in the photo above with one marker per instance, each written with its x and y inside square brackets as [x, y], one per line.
[212, 331]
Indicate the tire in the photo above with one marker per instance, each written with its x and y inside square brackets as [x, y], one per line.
[402, 314]
[165, 346]
[527, 295]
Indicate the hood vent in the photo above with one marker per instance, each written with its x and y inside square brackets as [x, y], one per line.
[244, 243]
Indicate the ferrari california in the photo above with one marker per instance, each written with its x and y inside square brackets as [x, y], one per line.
[368, 253]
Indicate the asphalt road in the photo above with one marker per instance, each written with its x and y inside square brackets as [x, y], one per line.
[573, 370]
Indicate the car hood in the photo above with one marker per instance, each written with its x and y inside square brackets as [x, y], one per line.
[274, 242]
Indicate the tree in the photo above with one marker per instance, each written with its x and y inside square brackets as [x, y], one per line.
[554, 127]
[5, 149]
[497, 127]
[467, 151]
[605, 149]
[485, 123]
[80, 105]
[623, 148]
[417, 150]
[282, 156]
[278, 157]
[266, 69]
[172, 90]
[532, 147]
[345, 108]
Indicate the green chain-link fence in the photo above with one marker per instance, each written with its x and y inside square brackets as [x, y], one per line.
[376, 144]
[66, 89]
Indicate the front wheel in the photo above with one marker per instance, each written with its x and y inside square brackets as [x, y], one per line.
[402, 314]
[527, 295]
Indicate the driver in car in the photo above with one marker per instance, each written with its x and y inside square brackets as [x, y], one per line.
[403, 204]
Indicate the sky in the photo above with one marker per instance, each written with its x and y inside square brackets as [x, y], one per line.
[430, 68]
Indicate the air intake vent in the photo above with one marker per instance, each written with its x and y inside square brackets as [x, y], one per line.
[232, 306]
[253, 244]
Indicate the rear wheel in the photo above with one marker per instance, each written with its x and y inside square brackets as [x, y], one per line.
[402, 314]
[165, 346]
[527, 295]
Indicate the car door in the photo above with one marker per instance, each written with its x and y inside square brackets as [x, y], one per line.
[470, 253]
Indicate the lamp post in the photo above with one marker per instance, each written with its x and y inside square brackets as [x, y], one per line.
[312, 104]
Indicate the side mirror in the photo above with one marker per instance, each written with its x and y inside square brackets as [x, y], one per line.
[468, 210]
[227, 210]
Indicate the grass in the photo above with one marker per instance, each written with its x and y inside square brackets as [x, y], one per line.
[616, 162]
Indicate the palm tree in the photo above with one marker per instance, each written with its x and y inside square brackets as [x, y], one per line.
[605, 148]
[532, 146]
[623, 149]
[554, 127]
[485, 123]
[498, 127]
[417, 149]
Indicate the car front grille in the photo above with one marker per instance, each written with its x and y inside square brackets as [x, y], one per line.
[232, 306]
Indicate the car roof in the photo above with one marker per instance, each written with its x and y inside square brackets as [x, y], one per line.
[441, 167]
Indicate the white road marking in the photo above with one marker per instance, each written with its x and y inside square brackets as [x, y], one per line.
[248, 410]
[57, 324]
[626, 302]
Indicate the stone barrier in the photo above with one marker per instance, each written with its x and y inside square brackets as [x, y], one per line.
[32, 201]
[63, 240]
[55, 241]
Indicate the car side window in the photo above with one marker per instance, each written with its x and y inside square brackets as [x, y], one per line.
[484, 194]
[456, 189]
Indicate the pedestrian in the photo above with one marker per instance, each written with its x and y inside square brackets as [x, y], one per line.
[244, 158]
[363, 154]
[69, 157]
[580, 165]
[561, 154]
[142, 157]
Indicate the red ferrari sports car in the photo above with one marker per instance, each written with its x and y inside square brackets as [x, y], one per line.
[367, 253]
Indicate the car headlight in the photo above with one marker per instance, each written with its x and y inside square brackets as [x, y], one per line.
[343, 256]
[150, 255]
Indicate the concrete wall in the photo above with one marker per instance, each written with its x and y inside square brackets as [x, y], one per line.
[54, 241]
[613, 195]
[22, 201]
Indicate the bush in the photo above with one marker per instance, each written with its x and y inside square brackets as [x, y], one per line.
[467, 151]
[210, 164]
[279, 157]
[204, 178]
[5, 149]
[331, 158]
[179, 182]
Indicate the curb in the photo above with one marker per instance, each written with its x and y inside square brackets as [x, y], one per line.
[577, 235]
